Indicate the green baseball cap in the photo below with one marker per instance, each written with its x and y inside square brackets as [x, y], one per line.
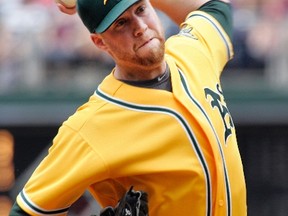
[98, 15]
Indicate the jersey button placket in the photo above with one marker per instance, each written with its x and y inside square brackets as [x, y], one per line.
[221, 203]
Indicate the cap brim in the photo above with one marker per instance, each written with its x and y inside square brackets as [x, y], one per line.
[115, 12]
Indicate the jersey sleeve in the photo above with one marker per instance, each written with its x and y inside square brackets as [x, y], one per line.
[213, 26]
[222, 13]
[62, 177]
[204, 36]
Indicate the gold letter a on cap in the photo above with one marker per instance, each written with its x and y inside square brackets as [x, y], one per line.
[105, 1]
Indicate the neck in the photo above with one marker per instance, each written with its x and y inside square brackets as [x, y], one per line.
[139, 74]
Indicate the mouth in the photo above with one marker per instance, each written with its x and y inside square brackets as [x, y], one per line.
[145, 43]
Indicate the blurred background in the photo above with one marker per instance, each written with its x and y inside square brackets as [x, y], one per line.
[49, 67]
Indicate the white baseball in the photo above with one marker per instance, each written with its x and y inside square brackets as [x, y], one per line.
[67, 3]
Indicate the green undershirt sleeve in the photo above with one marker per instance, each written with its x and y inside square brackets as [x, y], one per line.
[17, 211]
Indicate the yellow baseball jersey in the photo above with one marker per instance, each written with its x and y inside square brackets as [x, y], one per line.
[180, 146]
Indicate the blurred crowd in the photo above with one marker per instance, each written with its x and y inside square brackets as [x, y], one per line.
[261, 38]
[40, 45]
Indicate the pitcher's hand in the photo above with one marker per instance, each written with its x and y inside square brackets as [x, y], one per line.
[66, 10]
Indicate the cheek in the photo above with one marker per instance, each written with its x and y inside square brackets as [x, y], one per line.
[155, 23]
[121, 41]
[119, 47]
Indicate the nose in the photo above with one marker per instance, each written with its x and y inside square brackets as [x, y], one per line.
[140, 26]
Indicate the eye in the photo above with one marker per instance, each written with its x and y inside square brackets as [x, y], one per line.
[120, 23]
[141, 9]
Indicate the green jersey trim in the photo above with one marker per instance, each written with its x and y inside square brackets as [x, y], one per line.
[221, 11]
[227, 184]
[32, 207]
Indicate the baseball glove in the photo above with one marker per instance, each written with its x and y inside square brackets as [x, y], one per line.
[133, 203]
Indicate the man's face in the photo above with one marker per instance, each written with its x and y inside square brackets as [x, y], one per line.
[136, 38]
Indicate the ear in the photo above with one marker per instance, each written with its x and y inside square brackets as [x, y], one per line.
[98, 41]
